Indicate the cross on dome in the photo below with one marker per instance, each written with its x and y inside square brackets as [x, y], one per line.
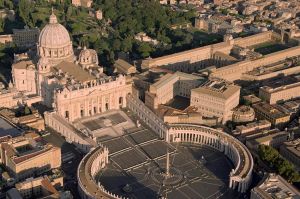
[53, 18]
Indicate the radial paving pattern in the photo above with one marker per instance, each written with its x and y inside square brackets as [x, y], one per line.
[137, 170]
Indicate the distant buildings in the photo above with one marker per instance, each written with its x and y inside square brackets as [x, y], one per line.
[216, 98]
[27, 156]
[243, 114]
[123, 67]
[83, 3]
[22, 38]
[281, 89]
[271, 113]
[143, 37]
[31, 120]
[169, 86]
[274, 186]
[41, 187]
[252, 127]
[291, 151]
[274, 138]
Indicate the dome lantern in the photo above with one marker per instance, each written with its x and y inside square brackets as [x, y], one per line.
[53, 18]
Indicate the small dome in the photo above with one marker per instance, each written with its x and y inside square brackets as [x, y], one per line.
[88, 57]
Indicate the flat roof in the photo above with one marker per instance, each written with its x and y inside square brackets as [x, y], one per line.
[218, 89]
[7, 128]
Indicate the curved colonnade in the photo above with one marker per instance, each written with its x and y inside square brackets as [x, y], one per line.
[240, 176]
[87, 170]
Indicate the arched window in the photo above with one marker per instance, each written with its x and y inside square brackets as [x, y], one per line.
[120, 101]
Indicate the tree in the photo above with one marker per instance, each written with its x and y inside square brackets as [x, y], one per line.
[272, 158]
[144, 49]
[25, 9]
[116, 45]
[27, 110]
[2, 24]
[126, 44]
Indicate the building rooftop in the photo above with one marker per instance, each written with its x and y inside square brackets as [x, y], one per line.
[293, 146]
[75, 71]
[268, 109]
[8, 128]
[23, 64]
[281, 83]
[274, 186]
[218, 88]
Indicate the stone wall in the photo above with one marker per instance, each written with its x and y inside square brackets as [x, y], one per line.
[72, 135]
[147, 116]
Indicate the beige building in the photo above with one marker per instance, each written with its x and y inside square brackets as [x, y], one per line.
[33, 120]
[291, 151]
[106, 94]
[169, 86]
[24, 76]
[41, 187]
[216, 98]
[6, 39]
[83, 3]
[123, 67]
[243, 114]
[26, 156]
[274, 186]
[10, 98]
[252, 127]
[281, 89]
[273, 138]
[271, 113]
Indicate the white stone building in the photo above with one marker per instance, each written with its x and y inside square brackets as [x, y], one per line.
[216, 98]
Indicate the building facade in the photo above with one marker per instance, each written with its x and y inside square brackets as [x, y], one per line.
[283, 89]
[169, 86]
[271, 182]
[271, 113]
[26, 156]
[216, 98]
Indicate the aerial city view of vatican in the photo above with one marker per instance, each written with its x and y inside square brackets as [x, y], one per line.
[149, 99]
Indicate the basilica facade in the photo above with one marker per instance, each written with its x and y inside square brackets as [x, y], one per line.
[72, 83]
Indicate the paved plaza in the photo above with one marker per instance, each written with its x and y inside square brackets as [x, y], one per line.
[138, 164]
[106, 125]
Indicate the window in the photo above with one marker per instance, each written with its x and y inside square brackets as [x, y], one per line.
[67, 114]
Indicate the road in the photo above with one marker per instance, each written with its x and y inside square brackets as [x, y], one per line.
[69, 166]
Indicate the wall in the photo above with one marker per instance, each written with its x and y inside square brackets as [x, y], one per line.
[72, 135]
[146, 115]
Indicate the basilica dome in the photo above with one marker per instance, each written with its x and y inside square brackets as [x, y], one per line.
[54, 35]
[55, 43]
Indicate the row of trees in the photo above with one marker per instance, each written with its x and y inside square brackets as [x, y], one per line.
[275, 161]
[123, 20]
